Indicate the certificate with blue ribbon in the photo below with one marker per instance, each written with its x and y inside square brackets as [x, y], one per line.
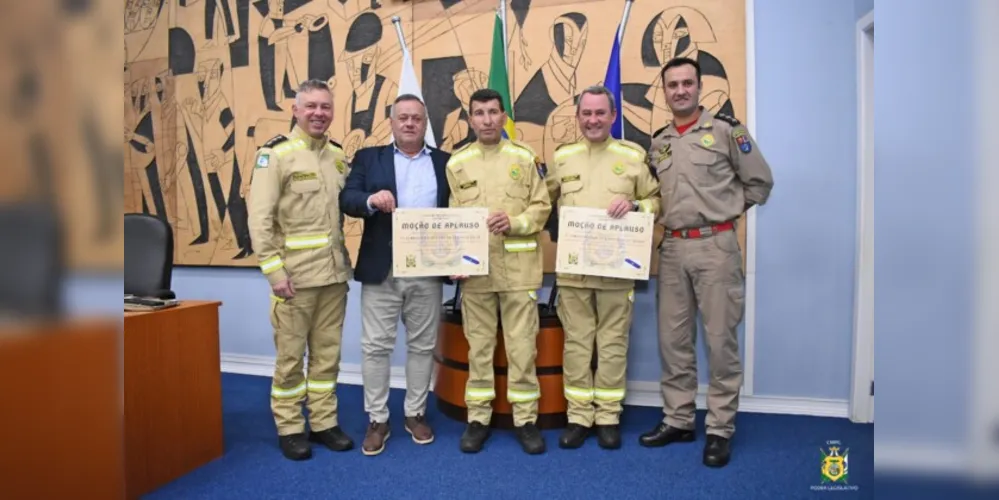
[593, 243]
[429, 242]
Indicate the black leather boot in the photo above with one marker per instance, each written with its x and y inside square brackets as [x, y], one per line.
[333, 438]
[663, 435]
[717, 451]
[295, 447]
[573, 436]
[608, 437]
[530, 439]
[474, 437]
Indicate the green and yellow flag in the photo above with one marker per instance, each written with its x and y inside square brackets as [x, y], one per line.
[498, 78]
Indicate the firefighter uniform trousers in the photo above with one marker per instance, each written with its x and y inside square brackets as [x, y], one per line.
[504, 177]
[602, 317]
[313, 320]
[597, 311]
[519, 313]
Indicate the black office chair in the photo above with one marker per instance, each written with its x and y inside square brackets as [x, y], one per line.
[32, 270]
[148, 256]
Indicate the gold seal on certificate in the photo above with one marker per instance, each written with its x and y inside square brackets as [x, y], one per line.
[593, 243]
[440, 242]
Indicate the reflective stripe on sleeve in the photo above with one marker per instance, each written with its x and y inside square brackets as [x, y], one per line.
[307, 241]
[272, 264]
[520, 245]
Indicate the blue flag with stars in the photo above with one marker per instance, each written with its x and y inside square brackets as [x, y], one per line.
[612, 80]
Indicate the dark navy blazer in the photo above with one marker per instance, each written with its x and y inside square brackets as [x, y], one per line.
[373, 170]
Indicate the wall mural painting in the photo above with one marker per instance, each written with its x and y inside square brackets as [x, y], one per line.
[209, 81]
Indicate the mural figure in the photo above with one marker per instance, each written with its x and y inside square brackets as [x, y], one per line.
[201, 96]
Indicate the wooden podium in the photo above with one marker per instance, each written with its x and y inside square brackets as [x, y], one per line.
[452, 373]
[172, 393]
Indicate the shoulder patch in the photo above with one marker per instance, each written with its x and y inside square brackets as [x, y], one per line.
[727, 119]
[274, 141]
[541, 167]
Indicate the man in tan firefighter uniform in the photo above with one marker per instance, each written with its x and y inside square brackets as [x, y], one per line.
[504, 176]
[297, 231]
[711, 172]
[599, 172]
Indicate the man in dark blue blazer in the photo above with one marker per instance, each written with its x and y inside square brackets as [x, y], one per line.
[404, 174]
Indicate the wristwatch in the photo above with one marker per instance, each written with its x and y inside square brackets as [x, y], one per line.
[634, 206]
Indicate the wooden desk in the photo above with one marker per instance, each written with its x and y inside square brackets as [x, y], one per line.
[61, 419]
[173, 393]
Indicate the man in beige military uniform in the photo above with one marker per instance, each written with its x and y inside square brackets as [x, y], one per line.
[297, 231]
[599, 172]
[502, 175]
[711, 172]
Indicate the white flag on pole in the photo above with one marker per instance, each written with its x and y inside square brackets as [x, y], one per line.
[408, 84]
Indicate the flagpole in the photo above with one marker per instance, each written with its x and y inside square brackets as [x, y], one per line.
[505, 48]
[408, 83]
[397, 21]
[620, 42]
[624, 20]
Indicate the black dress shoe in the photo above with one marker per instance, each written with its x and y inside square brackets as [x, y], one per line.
[295, 447]
[333, 438]
[716, 451]
[474, 437]
[663, 435]
[573, 436]
[608, 437]
[530, 439]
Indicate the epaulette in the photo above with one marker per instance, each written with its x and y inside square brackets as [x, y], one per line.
[661, 130]
[521, 145]
[632, 145]
[727, 119]
[462, 154]
[466, 146]
[629, 149]
[274, 141]
[568, 149]
[337, 144]
[520, 150]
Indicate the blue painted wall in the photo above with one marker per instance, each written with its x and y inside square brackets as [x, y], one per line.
[806, 235]
[924, 220]
[806, 126]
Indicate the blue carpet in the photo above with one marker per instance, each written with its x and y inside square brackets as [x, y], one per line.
[774, 456]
